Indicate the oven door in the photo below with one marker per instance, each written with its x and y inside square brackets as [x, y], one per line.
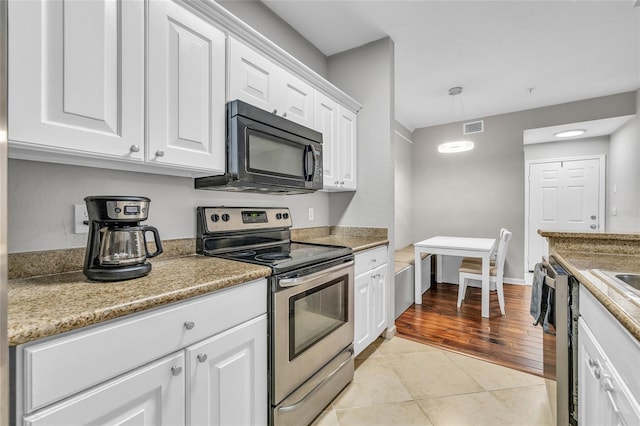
[312, 322]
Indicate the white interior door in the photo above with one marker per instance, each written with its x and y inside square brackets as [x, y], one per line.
[563, 196]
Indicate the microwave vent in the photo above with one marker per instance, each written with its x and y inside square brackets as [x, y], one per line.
[473, 127]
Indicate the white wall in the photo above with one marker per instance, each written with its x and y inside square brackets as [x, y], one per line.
[477, 192]
[403, 187]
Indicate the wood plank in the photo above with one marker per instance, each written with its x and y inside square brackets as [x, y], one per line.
[511, 340]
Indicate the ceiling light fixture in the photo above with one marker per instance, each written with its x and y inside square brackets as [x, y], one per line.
[569, 133]
[459, 145]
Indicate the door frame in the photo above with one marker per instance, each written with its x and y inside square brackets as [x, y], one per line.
[601, 194]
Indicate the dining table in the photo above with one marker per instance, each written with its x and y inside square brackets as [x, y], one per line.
[455, 246]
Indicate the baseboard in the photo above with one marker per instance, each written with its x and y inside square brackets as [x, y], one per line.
[517, 281]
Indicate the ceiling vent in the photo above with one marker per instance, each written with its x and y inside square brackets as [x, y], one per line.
[473, 127]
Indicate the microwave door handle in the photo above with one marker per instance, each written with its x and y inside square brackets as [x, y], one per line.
[308, 170]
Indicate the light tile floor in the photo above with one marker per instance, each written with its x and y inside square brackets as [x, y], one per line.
[400, 382]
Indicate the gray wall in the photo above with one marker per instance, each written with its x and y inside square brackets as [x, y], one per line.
[403, 186]
[475, 193]
[624, 174]
[366, 73]
[42, 195]
[270, 25]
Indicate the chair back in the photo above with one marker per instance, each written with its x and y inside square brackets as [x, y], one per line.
[502, 251]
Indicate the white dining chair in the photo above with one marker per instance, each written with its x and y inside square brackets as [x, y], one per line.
[473, 271]
[493, 254]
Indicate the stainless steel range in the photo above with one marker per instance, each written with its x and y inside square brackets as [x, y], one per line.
[310, 305]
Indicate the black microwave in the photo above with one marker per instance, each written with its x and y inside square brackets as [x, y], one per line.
[267, 153]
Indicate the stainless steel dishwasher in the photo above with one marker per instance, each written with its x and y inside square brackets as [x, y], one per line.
[566, 341]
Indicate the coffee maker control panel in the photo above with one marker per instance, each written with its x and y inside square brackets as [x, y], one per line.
[127, 210]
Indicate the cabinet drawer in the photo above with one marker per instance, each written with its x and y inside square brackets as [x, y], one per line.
[62, 366]
[370, 259]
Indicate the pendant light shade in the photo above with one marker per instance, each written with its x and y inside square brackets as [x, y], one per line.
[454, 146]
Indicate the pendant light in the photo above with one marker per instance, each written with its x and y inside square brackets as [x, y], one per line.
[454, 146]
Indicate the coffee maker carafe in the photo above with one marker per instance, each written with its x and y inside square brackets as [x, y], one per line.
[117, 244]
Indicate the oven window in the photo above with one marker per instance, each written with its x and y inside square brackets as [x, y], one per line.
[275, 156]
[315, 313]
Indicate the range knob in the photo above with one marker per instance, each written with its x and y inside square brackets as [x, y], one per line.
[285, 215]
[225, 217]
[278, 216]
[215, 217]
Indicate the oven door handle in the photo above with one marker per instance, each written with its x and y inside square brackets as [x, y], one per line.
[292, 282]
[297, 405]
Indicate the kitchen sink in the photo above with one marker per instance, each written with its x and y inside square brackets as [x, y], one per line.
[632, 280]
[626, 282]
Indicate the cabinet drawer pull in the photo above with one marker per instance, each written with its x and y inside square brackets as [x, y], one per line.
[134, 148]
[275, 111]
[189, 325]
[284, 115]
[176, 370]
[202, 357]
[159, 153]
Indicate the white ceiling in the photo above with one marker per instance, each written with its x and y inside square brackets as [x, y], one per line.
[496, 50]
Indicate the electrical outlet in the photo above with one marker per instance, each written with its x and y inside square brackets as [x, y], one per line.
[310, 213]
[80, 216]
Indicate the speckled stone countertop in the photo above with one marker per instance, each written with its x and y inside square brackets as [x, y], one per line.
[355, 237]
[48, 294]
[582, 253]
[47, 305]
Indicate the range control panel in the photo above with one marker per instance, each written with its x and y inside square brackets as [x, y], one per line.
[227, 219]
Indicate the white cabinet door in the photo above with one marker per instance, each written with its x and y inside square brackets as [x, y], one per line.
[379, 299]
[251, 77]
[228, 377]
[77, 84]
[296, 102]
[151, 395]
[347, 143]
[591, 399]
[186, 81]
[326, 122]
[258, 81]
[362, 313]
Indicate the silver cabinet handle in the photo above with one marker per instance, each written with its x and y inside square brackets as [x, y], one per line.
[275, 111]
[593, 217]
[189, 325]
[134, 148]
[336, 182]
[202, 357]
[284, 115]
[593, 226]
[341, 182]
[159, 153]
[176, 370]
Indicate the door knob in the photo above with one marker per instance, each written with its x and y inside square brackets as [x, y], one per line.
[202, 357]
[189, 325]
[593, 226]
[176, 370]
[134, 148]
[159, 153]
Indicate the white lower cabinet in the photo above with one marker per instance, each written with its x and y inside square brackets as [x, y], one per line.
[197, 362]
[223, 386]
[608, 379]
[150, 395]
[370, 297]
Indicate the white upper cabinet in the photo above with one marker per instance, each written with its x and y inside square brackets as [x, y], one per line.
[74, 84]
[339, 142]
[260, 82]
[186, 81]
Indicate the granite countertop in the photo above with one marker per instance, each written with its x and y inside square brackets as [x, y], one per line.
[357, 239]
[47, 305]
[48, 293]
[581, 253]
[625, 308]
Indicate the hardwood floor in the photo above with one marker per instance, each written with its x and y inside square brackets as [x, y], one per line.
[510, 340]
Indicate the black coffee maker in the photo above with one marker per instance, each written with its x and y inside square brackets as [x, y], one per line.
[117, 244]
